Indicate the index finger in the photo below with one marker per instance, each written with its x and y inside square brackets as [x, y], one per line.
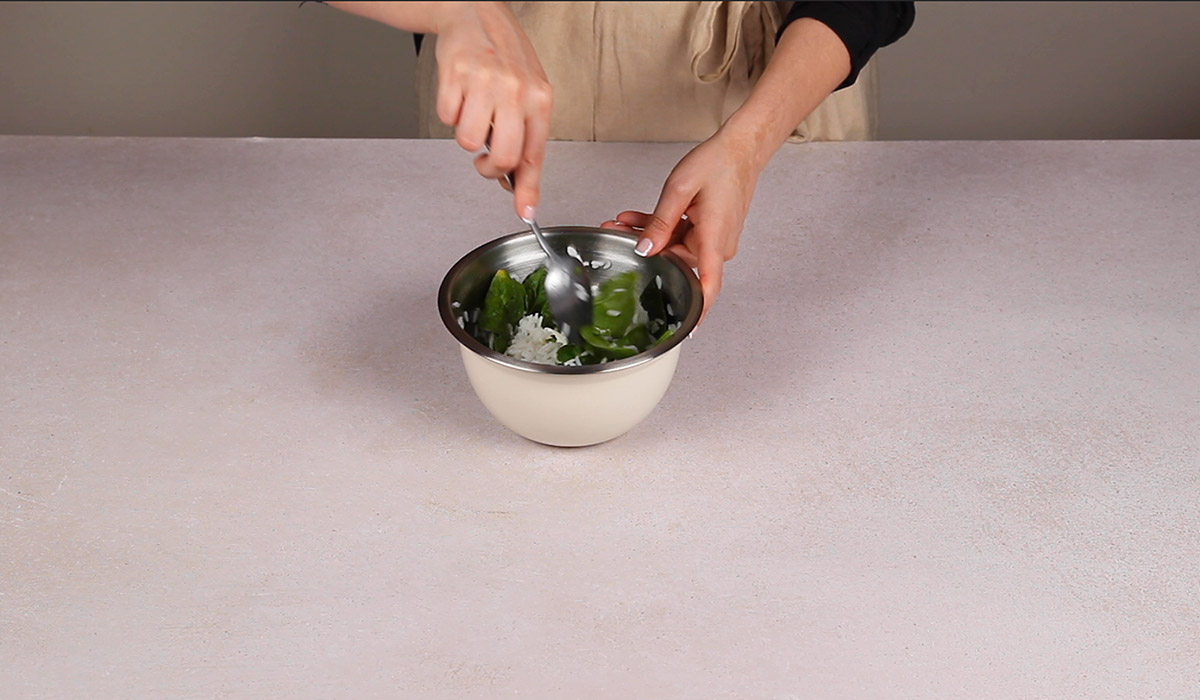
[661, 226]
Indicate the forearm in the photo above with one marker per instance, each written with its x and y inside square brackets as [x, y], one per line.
[416, 17]
[809, 63]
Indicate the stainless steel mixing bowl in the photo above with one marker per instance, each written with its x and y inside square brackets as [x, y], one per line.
[553, 404]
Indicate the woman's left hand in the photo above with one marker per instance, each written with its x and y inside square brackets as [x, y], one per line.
[700, 212]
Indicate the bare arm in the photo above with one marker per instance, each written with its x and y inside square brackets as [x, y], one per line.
[714, 183]
[417, 17]
[808, 65]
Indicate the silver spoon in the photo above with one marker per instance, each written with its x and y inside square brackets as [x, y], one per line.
[568, 291]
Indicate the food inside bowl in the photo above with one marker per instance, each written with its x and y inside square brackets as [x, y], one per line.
[628, 318]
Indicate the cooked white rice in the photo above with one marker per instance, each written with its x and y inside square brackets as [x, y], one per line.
[533, 343]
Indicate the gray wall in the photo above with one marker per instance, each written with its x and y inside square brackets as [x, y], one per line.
[1049, 70]
[967, 70]
[202, 69]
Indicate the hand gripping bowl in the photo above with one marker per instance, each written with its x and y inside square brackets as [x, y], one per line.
[553, 404]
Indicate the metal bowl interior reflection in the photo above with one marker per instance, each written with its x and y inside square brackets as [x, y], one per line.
[578, 405]
[606, 254]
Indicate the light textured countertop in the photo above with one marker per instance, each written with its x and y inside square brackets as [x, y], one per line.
[939, 437]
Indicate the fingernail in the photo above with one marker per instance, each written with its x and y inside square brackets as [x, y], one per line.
[643, 247]
[528, 213]
[692, 334]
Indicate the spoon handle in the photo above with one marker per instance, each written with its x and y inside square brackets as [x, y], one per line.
[537, 231]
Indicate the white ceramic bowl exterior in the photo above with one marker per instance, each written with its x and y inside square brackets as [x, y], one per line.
[570, 410]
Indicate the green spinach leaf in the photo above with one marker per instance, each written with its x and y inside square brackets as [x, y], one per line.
[655, 305]
[503, 307]
[568, 352]
[605, 345]
[615, 304]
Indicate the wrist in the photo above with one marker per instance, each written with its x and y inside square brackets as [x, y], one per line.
[784, 96]
[750, 138]
[417, 17]
[452, 14]
[447, 14]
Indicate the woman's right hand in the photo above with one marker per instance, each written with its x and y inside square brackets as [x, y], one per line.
[492, 90]
[491, 86]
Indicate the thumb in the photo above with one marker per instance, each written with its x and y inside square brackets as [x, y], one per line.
[659, 230]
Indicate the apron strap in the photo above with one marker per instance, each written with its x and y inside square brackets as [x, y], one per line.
[754, 23]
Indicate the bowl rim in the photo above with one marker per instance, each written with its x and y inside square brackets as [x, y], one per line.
[466, 340]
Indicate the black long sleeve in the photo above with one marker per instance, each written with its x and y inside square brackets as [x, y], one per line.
[864, 27]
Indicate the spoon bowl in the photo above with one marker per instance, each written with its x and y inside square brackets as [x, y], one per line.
[568, 289]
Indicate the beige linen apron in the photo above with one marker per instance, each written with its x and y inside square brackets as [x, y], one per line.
[657, 71]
